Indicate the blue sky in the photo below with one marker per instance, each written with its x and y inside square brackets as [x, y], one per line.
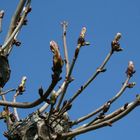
[103, 19]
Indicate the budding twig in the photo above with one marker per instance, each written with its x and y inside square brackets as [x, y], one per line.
[19, 91]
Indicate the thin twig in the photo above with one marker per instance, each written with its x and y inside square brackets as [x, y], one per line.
[99, 70]
[64, 26]
[2, 96]
[111, 115]
[7, 91]
[5, 46]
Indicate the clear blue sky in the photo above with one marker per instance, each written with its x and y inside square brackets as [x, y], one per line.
[103, 20]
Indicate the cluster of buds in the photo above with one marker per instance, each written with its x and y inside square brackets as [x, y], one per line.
[57, 60]
[1, 14]
[130, 69]
[81, 39]
[21, 87]
[115, 43]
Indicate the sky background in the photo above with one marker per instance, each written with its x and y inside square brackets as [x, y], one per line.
[103, 19]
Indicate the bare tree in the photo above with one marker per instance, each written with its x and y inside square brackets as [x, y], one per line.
[51, 121]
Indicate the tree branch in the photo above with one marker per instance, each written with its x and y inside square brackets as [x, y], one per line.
[115, 48]
[15, 18]
[81, 42]
[7, 91]
[64, 26]
[121, 91]
[1, 18]
[7, 45]
[119, 116]
[15, 109]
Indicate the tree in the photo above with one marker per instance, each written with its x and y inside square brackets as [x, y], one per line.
[56, 122]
